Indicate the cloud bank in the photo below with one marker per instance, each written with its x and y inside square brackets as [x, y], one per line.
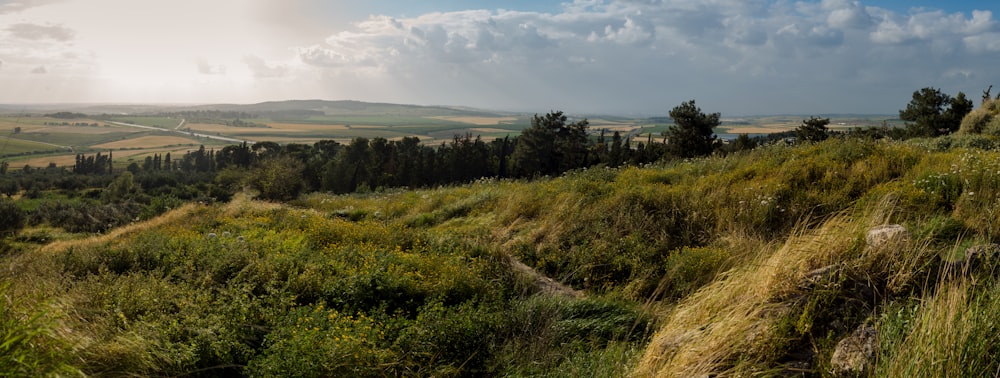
[625, 56]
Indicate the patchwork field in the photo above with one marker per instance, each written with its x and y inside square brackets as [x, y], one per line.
[148, 142]
[121, 157]
[481, 121]
[11, 146]
[41, 139]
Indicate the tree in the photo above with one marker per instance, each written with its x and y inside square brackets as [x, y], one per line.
[123, 187]
[692, 133]
[550, 146]
[616, 156]
[812, 129]
[278, 178]
[960, 107]
[742, 143]
[934, 113]
[12, 218]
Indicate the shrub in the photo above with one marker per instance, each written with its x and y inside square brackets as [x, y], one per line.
[690, 268]
[278, 179]
[27, 346]
[12, 218]
[314, 341]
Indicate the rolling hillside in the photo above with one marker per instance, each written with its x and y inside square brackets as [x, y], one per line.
[755, 263]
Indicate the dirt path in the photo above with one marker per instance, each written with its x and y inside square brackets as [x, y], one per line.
[546, 285]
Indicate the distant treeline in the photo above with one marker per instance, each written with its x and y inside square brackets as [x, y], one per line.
[66, 115]
[552, 145]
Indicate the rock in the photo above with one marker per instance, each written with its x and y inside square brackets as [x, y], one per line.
[853, 355]
[822, 275]
[797, 368]
[981, 252]
[887, 234]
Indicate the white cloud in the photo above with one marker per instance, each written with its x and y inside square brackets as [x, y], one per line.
[40, 32]
[206, 68]
[21, 5]
[845, 14]
[40, 70]
[737, 56]
[261, 69]
[630, 33]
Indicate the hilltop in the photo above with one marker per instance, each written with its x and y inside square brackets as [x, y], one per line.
[752, 263]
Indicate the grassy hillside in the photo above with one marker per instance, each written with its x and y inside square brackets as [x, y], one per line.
[692, 268]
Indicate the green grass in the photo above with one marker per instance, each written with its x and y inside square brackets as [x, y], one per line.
[10, 146]
[688, 268]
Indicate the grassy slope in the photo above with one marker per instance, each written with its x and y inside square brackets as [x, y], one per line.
[716, 248]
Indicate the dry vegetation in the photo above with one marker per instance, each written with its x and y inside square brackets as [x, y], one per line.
[751, 264]
[146, 142]
[478, 121]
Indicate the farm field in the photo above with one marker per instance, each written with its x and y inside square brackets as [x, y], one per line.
[43, 140]
[11, 146]
[150, 141]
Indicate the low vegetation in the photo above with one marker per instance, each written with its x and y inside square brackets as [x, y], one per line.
[753, 262]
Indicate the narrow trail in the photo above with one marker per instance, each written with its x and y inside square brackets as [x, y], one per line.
[545, 285]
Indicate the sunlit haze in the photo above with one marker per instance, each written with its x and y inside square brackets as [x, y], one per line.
[618, 57]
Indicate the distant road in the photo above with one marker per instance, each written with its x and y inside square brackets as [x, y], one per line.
[215, 137]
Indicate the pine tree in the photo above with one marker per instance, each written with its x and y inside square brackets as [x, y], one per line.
[692, 134]
[812, 129]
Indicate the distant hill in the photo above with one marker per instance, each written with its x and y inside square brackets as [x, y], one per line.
[342, 107]
[349, 107]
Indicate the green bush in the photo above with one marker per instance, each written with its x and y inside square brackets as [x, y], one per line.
[688, 269]
[12, 218]
[320, 342]
[28, 347]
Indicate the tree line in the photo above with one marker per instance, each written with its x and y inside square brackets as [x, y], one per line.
[553, 144]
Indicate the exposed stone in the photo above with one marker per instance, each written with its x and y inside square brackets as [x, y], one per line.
[981, 252]
[887, 234]
[853, 355]
[822, 275]
[797, 368]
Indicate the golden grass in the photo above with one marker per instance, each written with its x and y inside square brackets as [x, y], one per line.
[487, 130]
[176, 215]
[307, 127]
[735, 318]
[68, 160]
[42, 162]
[147, 142]
[736, 314]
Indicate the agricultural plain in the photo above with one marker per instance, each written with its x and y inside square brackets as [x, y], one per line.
[43, 140]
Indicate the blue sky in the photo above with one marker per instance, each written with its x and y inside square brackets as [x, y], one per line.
[965, 6]
[629, 57]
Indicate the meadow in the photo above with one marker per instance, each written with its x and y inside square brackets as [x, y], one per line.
[684, 268]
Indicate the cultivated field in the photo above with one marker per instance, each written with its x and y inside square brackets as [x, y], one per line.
[148, 142]
[42, 140]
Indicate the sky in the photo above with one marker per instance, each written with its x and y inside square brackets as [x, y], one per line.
[622, 57]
